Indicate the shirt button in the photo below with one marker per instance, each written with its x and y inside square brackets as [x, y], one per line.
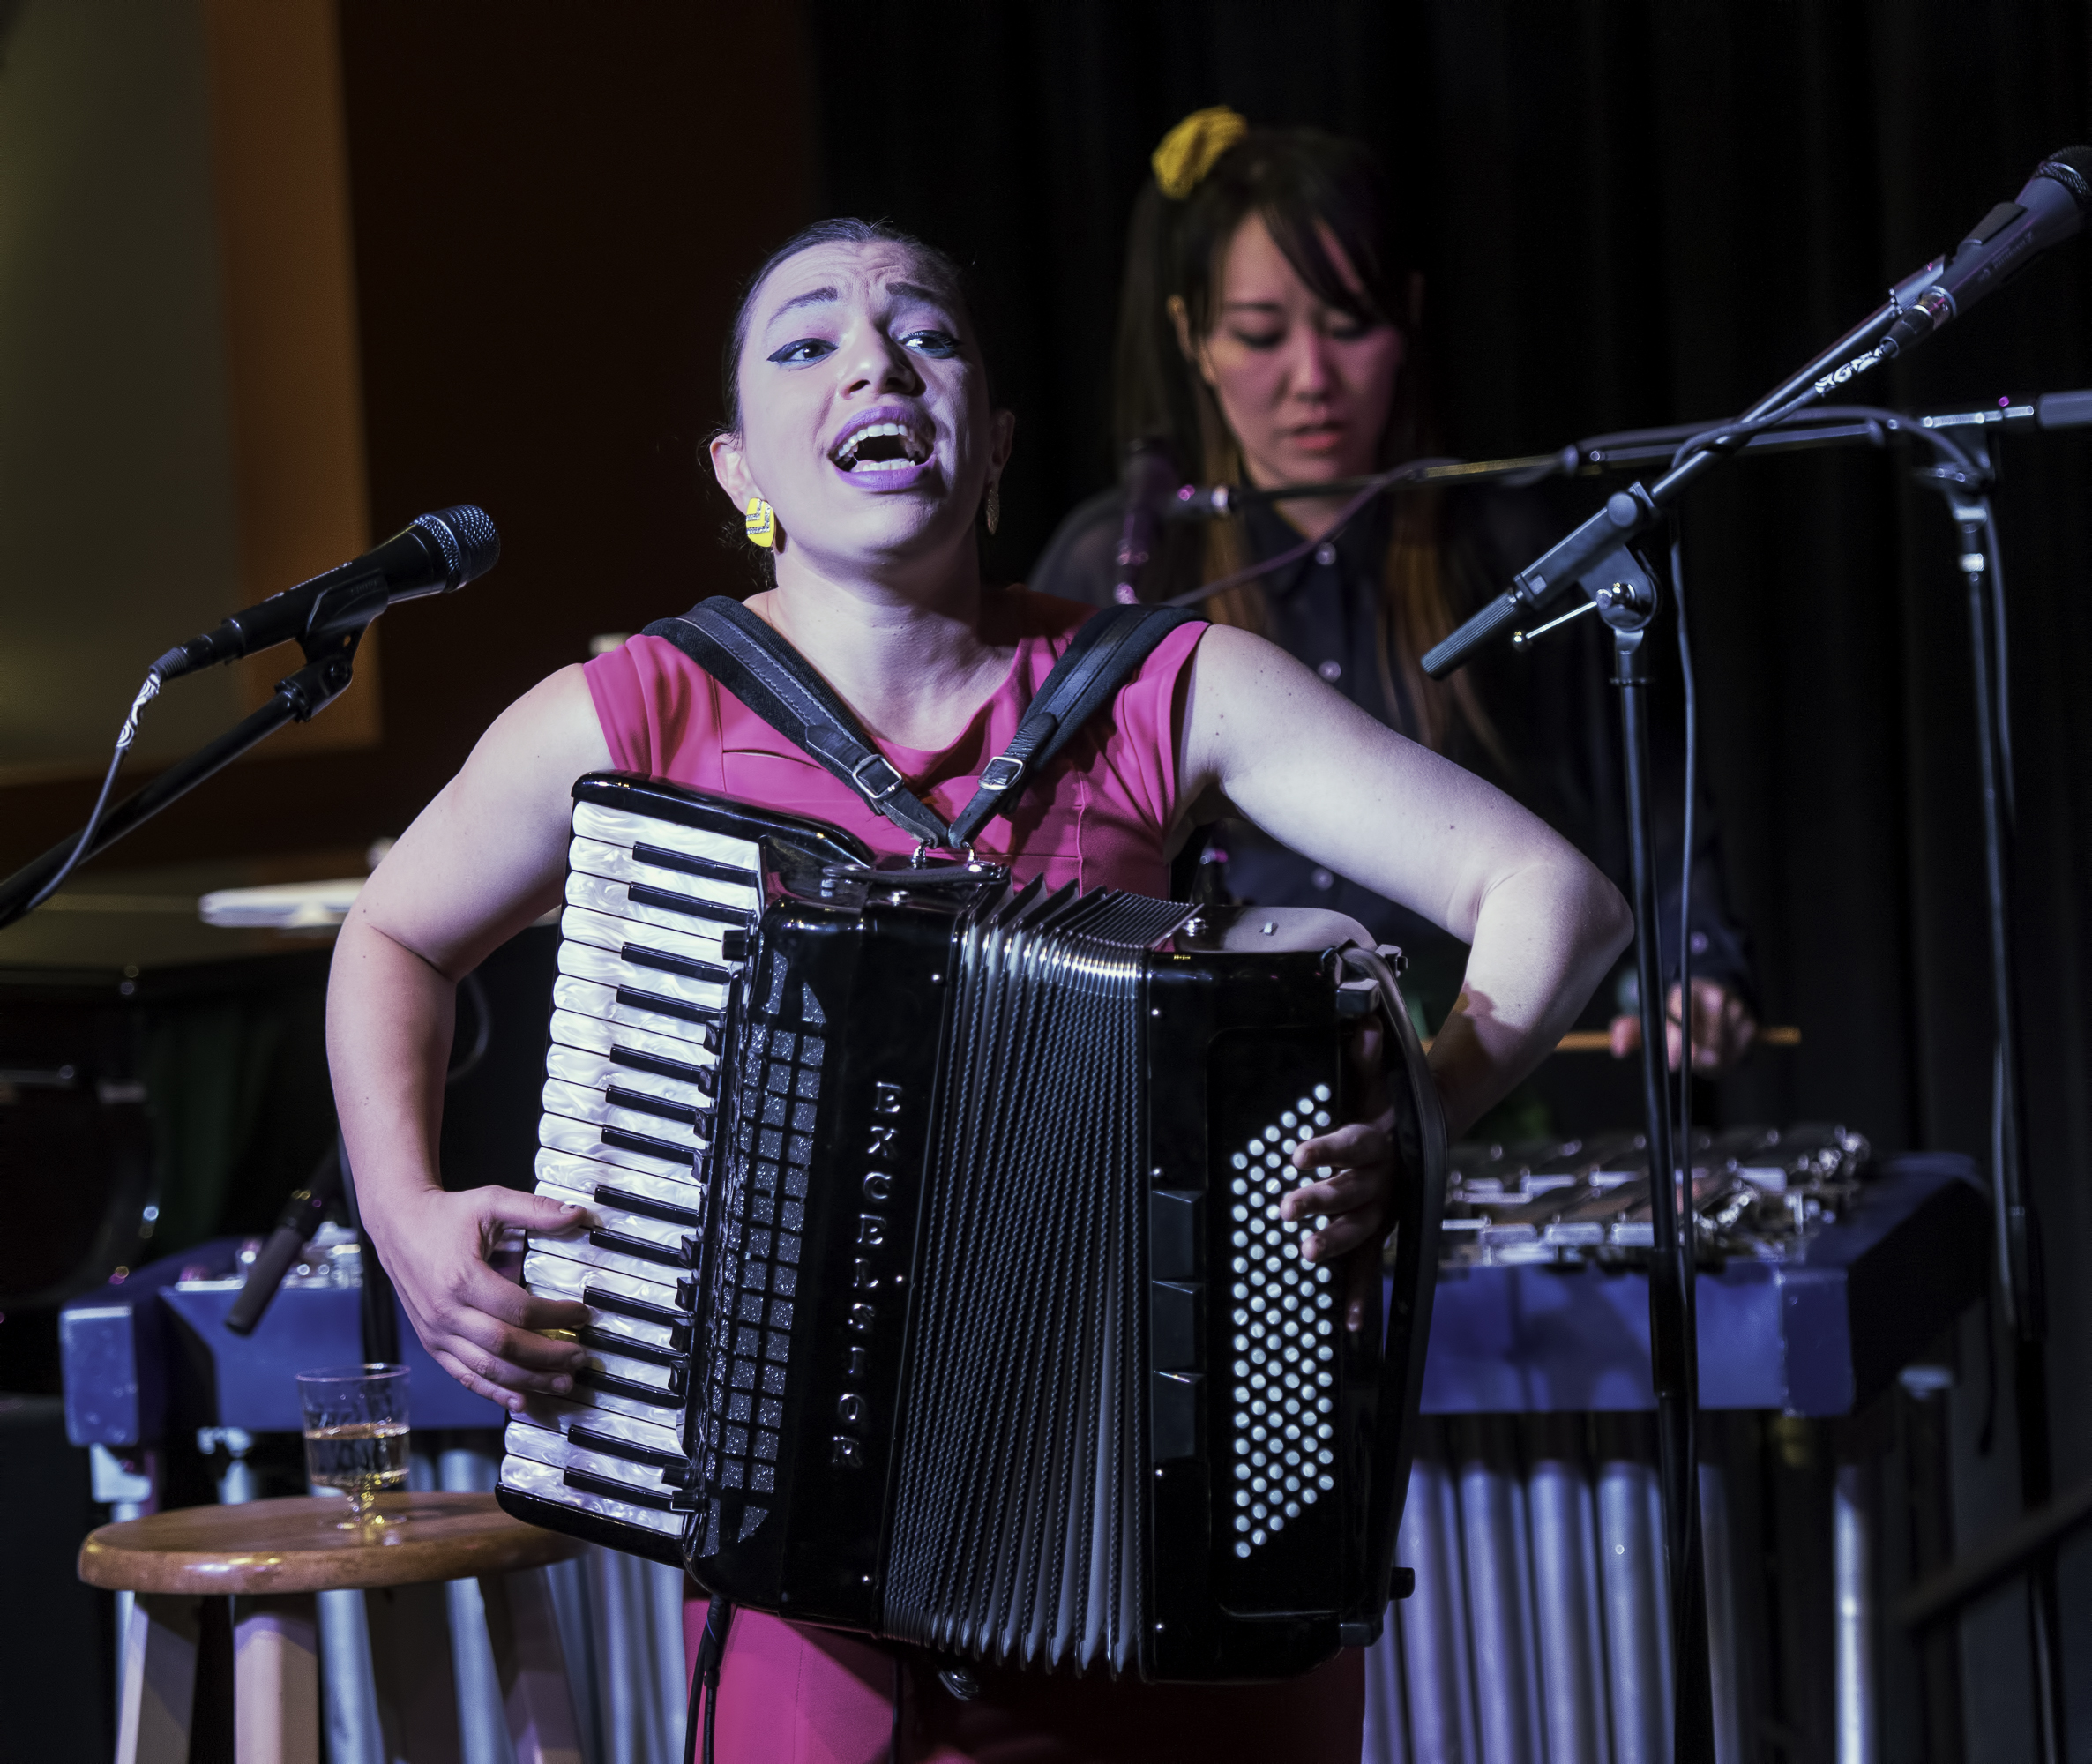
[1323, 879]
[1331, 671]
[1326, 554]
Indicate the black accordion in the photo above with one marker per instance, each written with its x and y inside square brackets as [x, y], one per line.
[936, 1279]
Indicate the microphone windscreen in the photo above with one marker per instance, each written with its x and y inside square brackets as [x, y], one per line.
[2066, 169]
[466, 537]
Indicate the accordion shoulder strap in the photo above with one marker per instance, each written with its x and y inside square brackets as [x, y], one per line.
[1104, 652]
[771, 678]
[774, 680]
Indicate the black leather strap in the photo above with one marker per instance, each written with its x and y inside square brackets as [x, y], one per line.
[1086, 678]
[767, 674]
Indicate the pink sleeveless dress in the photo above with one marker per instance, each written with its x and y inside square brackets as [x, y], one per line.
[791, 1693]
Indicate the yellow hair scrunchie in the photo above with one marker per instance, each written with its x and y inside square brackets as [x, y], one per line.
[1188, 151]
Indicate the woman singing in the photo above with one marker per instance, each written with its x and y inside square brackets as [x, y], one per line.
[1269, 334]
[860, 411]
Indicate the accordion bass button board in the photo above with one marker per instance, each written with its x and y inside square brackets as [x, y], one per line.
[933, 1249]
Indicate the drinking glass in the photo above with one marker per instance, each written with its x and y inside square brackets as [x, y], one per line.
[355, 1433]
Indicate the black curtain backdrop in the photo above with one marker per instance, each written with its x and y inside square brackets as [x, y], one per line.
[1633, 212]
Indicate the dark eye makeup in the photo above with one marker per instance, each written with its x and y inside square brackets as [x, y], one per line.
[938, 345]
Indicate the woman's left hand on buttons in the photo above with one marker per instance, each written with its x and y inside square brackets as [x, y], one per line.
[1352, 1199]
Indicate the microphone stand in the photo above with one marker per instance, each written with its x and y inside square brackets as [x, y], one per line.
[1623, 589]
[329, 666]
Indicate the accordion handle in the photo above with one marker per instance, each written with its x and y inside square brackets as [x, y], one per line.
[1419, 1138]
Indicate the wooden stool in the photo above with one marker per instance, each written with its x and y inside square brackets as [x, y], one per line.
[271, 1557]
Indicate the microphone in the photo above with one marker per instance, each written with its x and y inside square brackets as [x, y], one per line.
[2051, 209]
[438, 553]
[1150, 479]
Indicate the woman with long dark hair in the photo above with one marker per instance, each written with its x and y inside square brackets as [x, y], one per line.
[1271, 331]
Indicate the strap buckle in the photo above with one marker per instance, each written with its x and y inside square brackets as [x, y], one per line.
[1005, 771]
[857, 777]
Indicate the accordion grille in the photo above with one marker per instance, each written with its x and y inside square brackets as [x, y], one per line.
[1019, 1509]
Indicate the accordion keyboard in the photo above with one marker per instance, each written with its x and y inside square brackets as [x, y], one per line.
[654, 929]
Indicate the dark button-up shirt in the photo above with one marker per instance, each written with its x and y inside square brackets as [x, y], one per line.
[1552, 710]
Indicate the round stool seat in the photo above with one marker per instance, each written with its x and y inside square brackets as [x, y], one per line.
[296, 1545]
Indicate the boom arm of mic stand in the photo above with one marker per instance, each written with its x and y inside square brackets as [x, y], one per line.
[299, 698]
[1629, 511]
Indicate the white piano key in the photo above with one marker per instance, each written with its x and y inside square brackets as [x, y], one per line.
[618, 864]
[543, 1480]
[614, 826]
[578, 1102]
[590, 999]
[550, 1275]
[556, 1415]
[599, 894]
[559, 1277]
[593, 1258]
[584, 962]
[635, 1329]
[563, 1170]
[583, 924]
[567, 1171]
[555, 1450]
[633, 1370]
[595, 1034]
[607, 1216]
[585, 1138]
[597, 1073]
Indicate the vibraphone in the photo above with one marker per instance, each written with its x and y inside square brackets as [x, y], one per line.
[1538, 1628]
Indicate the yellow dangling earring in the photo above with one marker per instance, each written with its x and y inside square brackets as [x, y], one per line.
[759, 522]
[994, 510]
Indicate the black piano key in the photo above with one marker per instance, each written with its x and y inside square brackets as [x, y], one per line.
[645, 1145]
[611, 1446]
[688, 906]
[659, 1499]
[610, 1342]
[637, 1000]
[611, 1385]
[678, 1258]
[660, 858]
[704, 1078]
[646, 1102]
[638, 955]
[646, 1205]
[637, 1309]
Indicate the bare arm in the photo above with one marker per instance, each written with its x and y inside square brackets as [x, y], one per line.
[1262, 734]
[485, 858]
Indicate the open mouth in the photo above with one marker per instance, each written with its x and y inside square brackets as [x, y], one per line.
[881, 447]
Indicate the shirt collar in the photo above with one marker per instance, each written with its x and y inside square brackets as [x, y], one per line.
[1359, 546]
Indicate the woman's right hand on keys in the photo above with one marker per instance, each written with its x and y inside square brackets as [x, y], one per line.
[483, 1330]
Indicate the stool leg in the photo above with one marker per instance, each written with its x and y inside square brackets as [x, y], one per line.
[159, 1692]
[410, 1664]
[525, 1635]
[348, 1691]
[276, 1680]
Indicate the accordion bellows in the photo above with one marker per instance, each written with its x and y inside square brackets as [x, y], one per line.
[936, 1279]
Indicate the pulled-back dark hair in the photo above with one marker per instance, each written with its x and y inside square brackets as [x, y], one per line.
[1310, 188]
[842, 230]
